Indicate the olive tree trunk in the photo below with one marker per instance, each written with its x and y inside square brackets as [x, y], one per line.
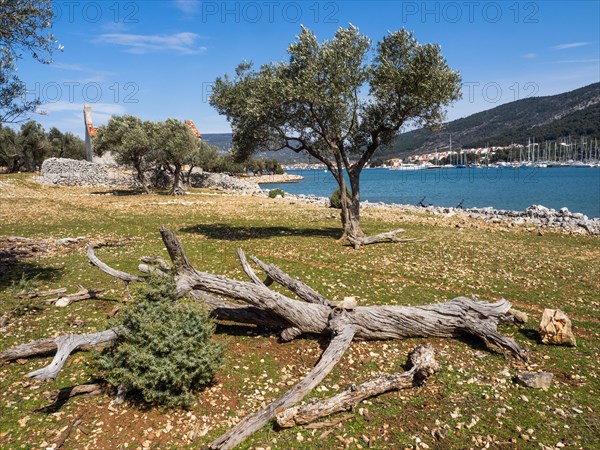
[178, 186]
[350, 214]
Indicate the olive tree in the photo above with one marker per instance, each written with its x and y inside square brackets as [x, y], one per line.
[174, 146]
[10, 150]
[24, 26]
[205, 156]
[339, 100]
[65, 145]
[34, 146]
[129, 139]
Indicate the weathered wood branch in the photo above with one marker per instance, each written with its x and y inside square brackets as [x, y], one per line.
[157, 261]
[247, 268]
[392, 236]
[422, 364]
[299, 288]
[252, 423]
[458, 317]
[48, 293]
[224, 310]
[109, 270]
[36, 348]
[82, 294]
[65, 345]
[63, 438]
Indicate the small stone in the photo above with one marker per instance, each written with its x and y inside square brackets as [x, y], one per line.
[555, 328]
[536, 380]
[518, 316]
[348, 303]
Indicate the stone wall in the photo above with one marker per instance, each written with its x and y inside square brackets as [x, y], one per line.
[71, 172]
[223, 182]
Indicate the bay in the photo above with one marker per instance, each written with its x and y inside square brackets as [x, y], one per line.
[578, 189]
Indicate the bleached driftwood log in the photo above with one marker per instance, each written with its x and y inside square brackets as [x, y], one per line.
[315, 314]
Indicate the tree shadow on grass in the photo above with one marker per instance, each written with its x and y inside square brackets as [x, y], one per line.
[120, 192]
[228, 232]
[13, 273]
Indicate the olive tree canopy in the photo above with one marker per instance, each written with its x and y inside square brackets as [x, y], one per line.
[175, 146]
[128, 138]
[23, 30]
[339, 100]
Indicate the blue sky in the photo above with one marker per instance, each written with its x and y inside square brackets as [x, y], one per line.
[157, 59]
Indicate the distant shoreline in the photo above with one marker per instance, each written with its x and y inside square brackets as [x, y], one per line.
[274, 179]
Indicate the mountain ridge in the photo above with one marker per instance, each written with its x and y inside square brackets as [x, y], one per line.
[544, 118]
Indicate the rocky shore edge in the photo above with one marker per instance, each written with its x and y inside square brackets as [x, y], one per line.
[537, 216]
[274, 179]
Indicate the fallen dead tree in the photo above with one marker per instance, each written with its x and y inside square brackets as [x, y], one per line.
[253, 302]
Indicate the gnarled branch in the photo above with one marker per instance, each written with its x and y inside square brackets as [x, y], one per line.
[422, 364]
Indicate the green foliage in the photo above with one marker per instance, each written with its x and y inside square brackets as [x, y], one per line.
[34, 145]
[275, 192]
[316, 102]
[65, 145]
[174, 145]
[26, 149]
[165, 350]
[10, 151]
[335, 201]
[312, 102]
[23, 30]
[130, 142]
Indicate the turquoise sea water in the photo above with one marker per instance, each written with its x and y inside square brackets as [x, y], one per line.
[575, 188]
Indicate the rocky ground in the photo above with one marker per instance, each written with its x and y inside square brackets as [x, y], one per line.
[225, 182]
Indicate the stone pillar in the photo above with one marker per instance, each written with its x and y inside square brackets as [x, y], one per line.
[89, 128]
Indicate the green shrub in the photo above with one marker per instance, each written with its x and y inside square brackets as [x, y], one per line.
[335, 201]
[275, 192]
[165, 351]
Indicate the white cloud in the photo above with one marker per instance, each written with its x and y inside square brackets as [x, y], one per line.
[181, 43]
[187, 6]
[529, 55]
[570, 45]
[95, 76]
[114, 27]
